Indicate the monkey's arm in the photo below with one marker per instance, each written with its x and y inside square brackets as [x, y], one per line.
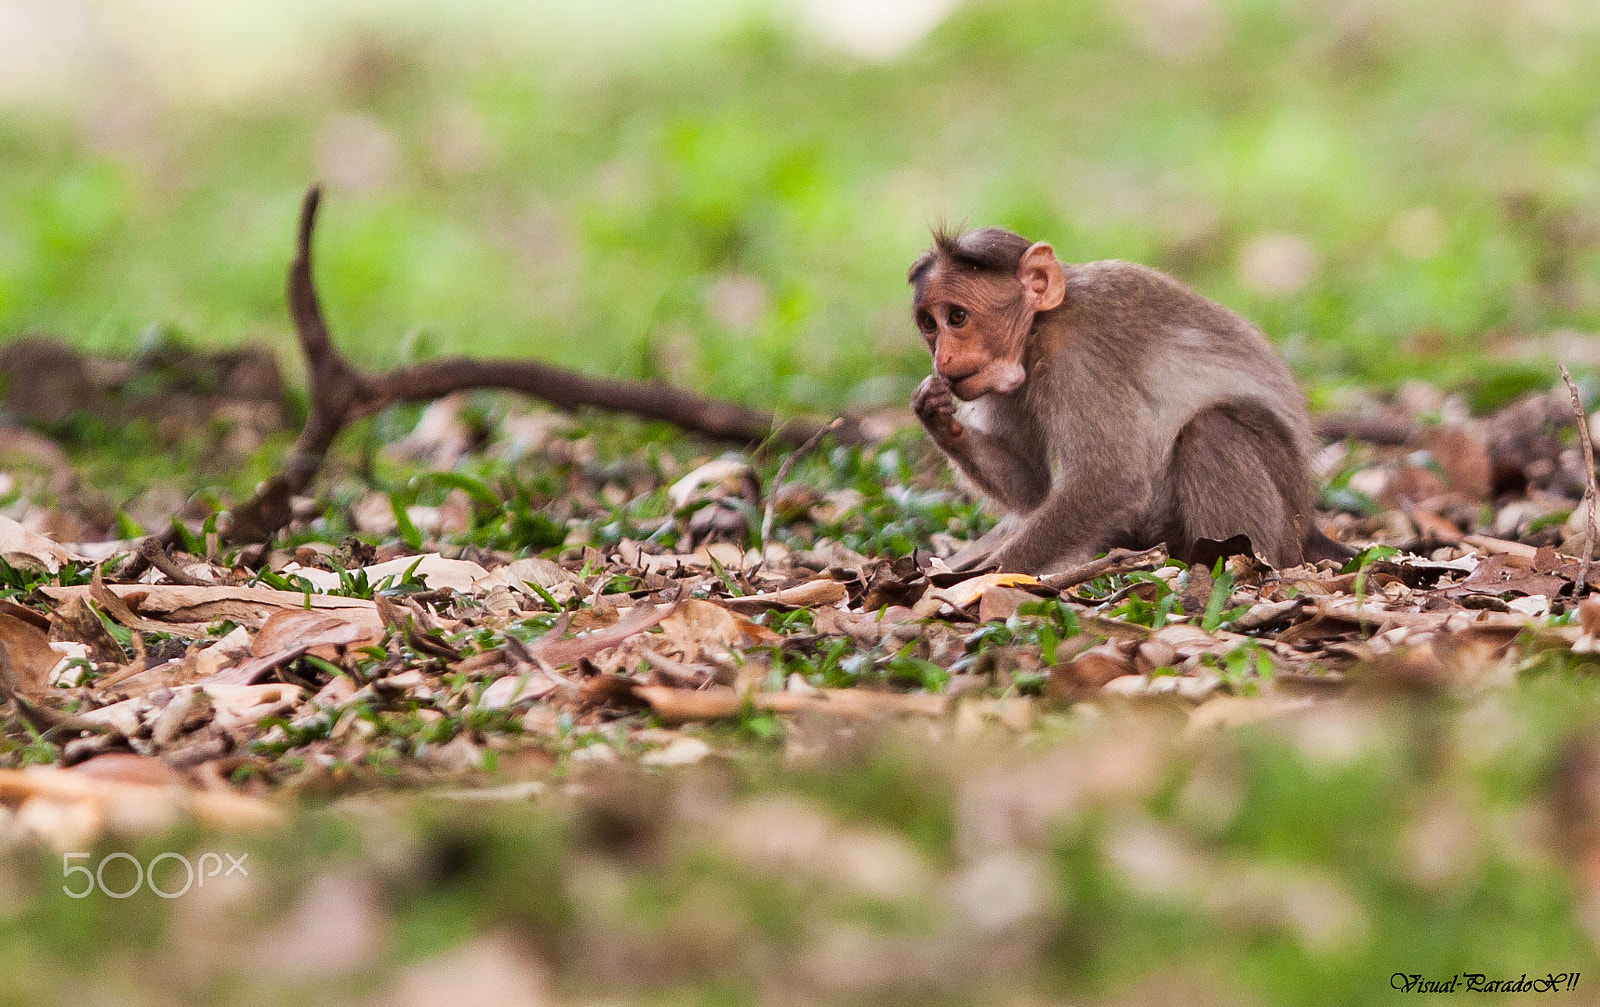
[998, 471]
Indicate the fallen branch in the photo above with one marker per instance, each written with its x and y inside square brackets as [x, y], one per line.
[1590, 491]
[1382, 430]
[340, 394]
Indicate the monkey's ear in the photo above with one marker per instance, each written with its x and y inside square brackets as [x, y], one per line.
[1043, 283]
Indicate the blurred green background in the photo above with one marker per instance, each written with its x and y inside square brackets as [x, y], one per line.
[728, 194]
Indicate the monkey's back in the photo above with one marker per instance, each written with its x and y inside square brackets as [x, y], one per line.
[1180, 351]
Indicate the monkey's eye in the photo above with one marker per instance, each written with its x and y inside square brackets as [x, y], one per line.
[926, 323]
[958, 317]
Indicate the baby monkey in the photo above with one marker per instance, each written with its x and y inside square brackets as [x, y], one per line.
[1107, 405]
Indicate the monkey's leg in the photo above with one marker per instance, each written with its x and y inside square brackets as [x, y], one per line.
[1234, 471]
[977, 554]
[1003, 475]
[1087, 512]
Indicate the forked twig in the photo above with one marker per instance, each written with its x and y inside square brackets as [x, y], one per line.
[1590, 491]
[340, 395]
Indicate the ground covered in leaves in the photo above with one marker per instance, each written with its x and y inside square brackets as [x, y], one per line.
[651, 756]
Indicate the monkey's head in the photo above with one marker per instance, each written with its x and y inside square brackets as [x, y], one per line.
[975, 297]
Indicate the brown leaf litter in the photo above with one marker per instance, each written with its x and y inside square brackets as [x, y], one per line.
[245, 688]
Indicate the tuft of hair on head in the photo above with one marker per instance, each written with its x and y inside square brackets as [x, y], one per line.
[947, 238]
[991, 249]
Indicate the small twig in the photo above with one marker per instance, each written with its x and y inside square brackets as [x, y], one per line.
[783, 473]
[1590, 490]
[155, 553]
[1115, 561]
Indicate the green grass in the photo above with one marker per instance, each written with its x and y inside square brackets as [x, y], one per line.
[1437, 157]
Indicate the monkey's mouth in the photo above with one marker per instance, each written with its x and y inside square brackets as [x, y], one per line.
[984, 382]
[968, 388]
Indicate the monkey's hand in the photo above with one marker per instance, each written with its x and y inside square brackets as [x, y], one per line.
[936, 408]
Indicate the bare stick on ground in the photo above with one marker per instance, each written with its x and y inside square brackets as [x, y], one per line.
[783, 473]
[1590, 491]
[1115, 561]
[340, 395]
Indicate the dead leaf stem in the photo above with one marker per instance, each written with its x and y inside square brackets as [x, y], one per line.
[783, 474]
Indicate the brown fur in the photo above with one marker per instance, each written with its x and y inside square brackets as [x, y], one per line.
[1143, 412]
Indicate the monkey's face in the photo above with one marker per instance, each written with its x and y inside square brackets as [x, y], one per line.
[975, 325]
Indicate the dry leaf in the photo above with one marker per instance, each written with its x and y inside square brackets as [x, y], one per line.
[1233, 711]
[1517, 552]
[77, 622]
[697, 626]
[1497, 576]
[813, 593]
[1000, 603]
[312, 629]
[1186, 640]
[1088, 671]
[126, 717]
[557, 652]
[517, 575]
[435, 572]
[509, 690]
[290, 634]
[726, 553]
[30, 657]
[740, 480]
[677, 706]
[719, 703]
[26, 550]
[246, 704]
[122, 611]
[867, 704]
[68, 808]
[249, 606]
[681, 751]
[127, 767]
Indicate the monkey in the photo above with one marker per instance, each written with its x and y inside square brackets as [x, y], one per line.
[1104, 405]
